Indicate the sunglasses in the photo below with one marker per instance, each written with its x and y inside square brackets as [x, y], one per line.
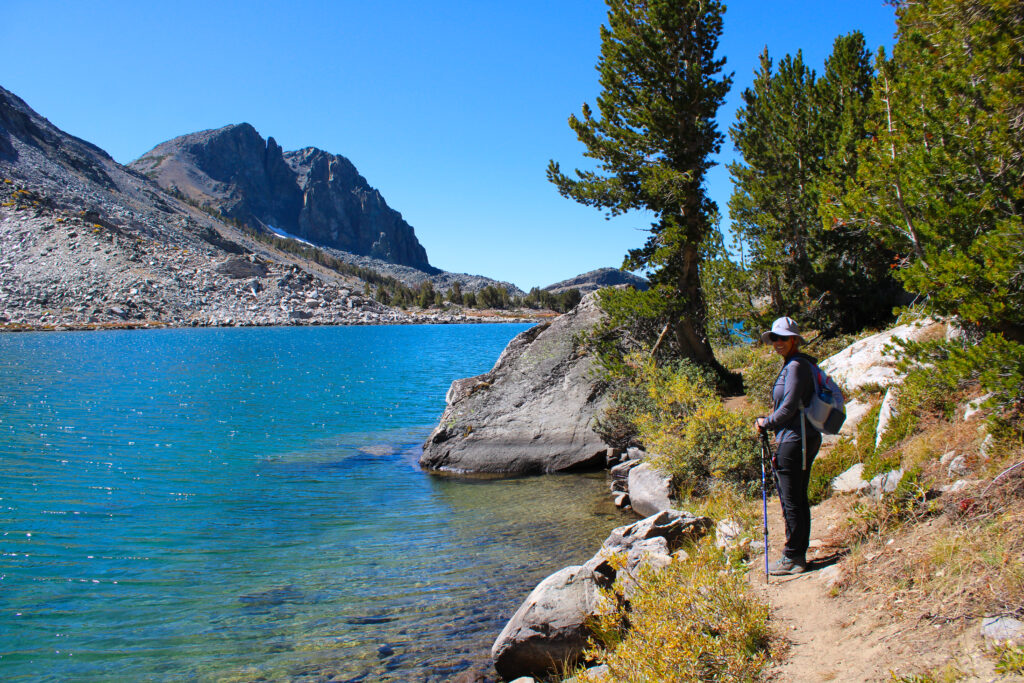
[775, 337]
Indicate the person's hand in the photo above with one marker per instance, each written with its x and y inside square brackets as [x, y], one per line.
[759, 425]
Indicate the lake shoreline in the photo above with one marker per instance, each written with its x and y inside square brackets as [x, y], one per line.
[410, 319]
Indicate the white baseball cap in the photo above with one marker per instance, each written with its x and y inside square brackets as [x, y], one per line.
[783, 327]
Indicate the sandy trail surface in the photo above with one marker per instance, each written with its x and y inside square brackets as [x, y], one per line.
[854, 634]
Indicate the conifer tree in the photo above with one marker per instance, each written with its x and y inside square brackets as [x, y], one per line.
[798, 135]
[942, 176]
[653, 137]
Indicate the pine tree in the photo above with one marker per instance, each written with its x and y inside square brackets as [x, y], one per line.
[775, 199]
[798, 135]
[653, 138]
[942, 177]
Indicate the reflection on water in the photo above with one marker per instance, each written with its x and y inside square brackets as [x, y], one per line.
[245, 504]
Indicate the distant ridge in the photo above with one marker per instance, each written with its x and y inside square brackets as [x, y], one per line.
[311, 194]
[596, 279]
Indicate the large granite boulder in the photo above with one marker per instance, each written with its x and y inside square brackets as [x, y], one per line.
[532, 413]
[870, 362]
[549, 629]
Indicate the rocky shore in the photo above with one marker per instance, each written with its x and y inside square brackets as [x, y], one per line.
[490, 417]
[61, 269]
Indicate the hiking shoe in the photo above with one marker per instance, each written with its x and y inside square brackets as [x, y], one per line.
[786, 566]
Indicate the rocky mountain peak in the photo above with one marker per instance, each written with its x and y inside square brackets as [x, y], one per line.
[309, 193]
[596, 279]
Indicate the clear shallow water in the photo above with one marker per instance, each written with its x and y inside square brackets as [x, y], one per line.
[240, 504]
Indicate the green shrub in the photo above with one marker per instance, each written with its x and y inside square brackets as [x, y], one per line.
[1010, 659]
[696, 620]
[635, 384]
[759, 376]
[694, 438]
[939, 372]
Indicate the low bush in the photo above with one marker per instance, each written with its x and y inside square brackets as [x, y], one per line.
[637, 388]
[1009, 659]
[759, 376]
[693, 437]
[696, 620]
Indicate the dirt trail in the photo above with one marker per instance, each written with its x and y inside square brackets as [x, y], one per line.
[852, 636]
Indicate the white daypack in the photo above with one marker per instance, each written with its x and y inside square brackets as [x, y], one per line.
[825, 411]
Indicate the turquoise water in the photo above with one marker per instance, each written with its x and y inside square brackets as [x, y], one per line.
[242, 504]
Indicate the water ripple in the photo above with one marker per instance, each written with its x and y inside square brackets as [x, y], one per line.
[245, 503]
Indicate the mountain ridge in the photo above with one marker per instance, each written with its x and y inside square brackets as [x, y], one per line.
[313, 194]
[86, 242]
[596, 279]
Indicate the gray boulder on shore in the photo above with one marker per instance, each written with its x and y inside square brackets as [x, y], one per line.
[532, 413]
[650, 490]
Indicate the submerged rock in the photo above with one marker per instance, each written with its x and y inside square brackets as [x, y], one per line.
[532, 412]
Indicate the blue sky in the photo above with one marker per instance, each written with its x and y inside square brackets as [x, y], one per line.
[451, 109]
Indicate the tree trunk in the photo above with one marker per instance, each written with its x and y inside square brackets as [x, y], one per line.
[691, 327]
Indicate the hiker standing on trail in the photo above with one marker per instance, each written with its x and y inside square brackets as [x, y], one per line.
[797, 442]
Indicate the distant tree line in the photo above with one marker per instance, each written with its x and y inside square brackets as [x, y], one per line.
[496, 297]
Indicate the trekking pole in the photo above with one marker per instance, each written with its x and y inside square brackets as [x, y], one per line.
[766, 452]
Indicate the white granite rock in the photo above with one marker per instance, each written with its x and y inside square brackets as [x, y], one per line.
[973, 407]
[958, 485]
[867, 362]
[831, 576]
[855, 412]
[958, 467]
[885, 415]
[884, 483]
[850, 481]
[727, 533]
[1002, 629]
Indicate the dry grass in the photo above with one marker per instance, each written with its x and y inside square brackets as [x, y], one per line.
[696, 620]
[949, 559]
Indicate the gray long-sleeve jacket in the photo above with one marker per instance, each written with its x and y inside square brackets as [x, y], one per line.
[792, 390]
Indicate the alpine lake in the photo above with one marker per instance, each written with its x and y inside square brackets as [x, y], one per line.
[242, 504]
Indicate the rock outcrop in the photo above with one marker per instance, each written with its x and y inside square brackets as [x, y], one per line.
[309, 193]
[532, 413]
[869, 362]
[596, 279]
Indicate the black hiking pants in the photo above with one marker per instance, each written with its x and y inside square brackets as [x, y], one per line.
[792, 480]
